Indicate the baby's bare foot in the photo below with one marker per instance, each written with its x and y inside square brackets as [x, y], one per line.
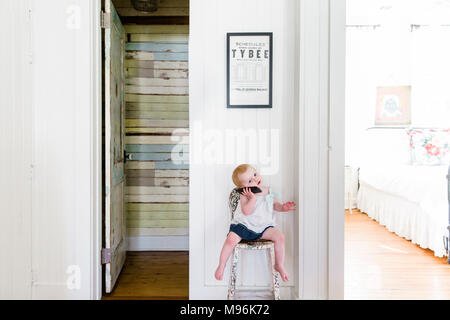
[282, 271]
[219, 273]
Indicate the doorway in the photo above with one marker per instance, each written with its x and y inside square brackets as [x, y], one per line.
[397, 133]
[145, 251]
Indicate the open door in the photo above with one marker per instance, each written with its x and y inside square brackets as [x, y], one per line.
[115, 219]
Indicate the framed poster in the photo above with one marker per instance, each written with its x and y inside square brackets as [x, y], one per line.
[393, 105]
[249, 70]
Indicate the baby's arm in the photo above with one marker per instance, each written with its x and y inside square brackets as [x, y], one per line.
[277, 206]
[248, 201]
[288, 206]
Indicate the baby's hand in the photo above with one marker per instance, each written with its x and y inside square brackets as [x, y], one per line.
[248, 193]
[288, 206]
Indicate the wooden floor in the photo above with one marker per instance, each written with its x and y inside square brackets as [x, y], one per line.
[153, 275]
[378, 265]
[381, 265]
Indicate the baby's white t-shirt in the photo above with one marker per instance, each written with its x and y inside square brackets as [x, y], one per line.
[262, 215]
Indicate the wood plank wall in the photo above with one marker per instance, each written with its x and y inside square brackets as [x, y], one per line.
[157, 113]
[167, 8]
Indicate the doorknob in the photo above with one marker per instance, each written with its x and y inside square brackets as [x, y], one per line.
[126, 156]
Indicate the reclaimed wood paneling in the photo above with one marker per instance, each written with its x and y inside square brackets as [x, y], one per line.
[153, 181]
[157, 190]
[154, 148]
[171, 165]
[148, 165]
[156, 47]
[159, 99]
[161, 156]
[171, 115]
[161, 29]
[152, 82]
[150, 123]
[167, 56]
[133, 232]
[141, 207]
[157, 121]
[163, 3]
[137, 106]
[173, 37]
[161, 12]
[157, 20]
[156, 73]
[158, 198]
[158, 223]
[158, 215]
[156, 90]
[171, 131]
[175, 65]
[157, 140]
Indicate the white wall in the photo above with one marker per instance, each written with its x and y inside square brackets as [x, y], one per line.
[15, 144]
[63, 146]
[62, 155]
[210, 183]
[307, 93]
[393, 55]
[47, 119]
[321, 121]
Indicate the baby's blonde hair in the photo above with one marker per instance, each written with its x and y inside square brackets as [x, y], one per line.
[240, 170]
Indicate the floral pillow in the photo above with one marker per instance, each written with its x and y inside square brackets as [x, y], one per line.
[429, 147]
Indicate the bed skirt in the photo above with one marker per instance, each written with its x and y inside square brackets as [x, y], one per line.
[403, 217]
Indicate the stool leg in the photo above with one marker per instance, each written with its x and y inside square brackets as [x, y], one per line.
[275, 280]
[232, 285]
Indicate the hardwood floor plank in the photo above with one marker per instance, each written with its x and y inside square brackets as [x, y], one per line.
[382, 265]
[153, 275]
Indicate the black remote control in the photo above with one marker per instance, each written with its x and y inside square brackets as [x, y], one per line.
[252, 189]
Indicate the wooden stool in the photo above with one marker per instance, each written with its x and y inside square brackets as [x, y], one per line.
[254, 245]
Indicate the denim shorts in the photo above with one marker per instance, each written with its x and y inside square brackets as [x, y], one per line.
[245, 233]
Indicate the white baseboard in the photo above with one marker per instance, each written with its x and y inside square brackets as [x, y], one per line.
[158, 243]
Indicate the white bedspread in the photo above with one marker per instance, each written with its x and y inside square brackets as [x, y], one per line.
[425, 186]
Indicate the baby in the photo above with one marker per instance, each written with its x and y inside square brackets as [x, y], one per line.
[253, 219]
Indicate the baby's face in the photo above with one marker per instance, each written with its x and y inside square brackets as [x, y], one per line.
[250, 178]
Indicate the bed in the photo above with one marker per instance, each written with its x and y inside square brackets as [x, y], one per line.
[410, 200]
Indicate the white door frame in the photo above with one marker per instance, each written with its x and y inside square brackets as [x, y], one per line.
[321, 87]
[337, 150]
[96, 163]
[321, 105]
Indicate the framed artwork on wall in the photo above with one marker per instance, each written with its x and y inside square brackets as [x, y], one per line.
[393, 106]
[249, 70]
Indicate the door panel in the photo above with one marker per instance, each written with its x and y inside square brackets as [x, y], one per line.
[115, 219]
